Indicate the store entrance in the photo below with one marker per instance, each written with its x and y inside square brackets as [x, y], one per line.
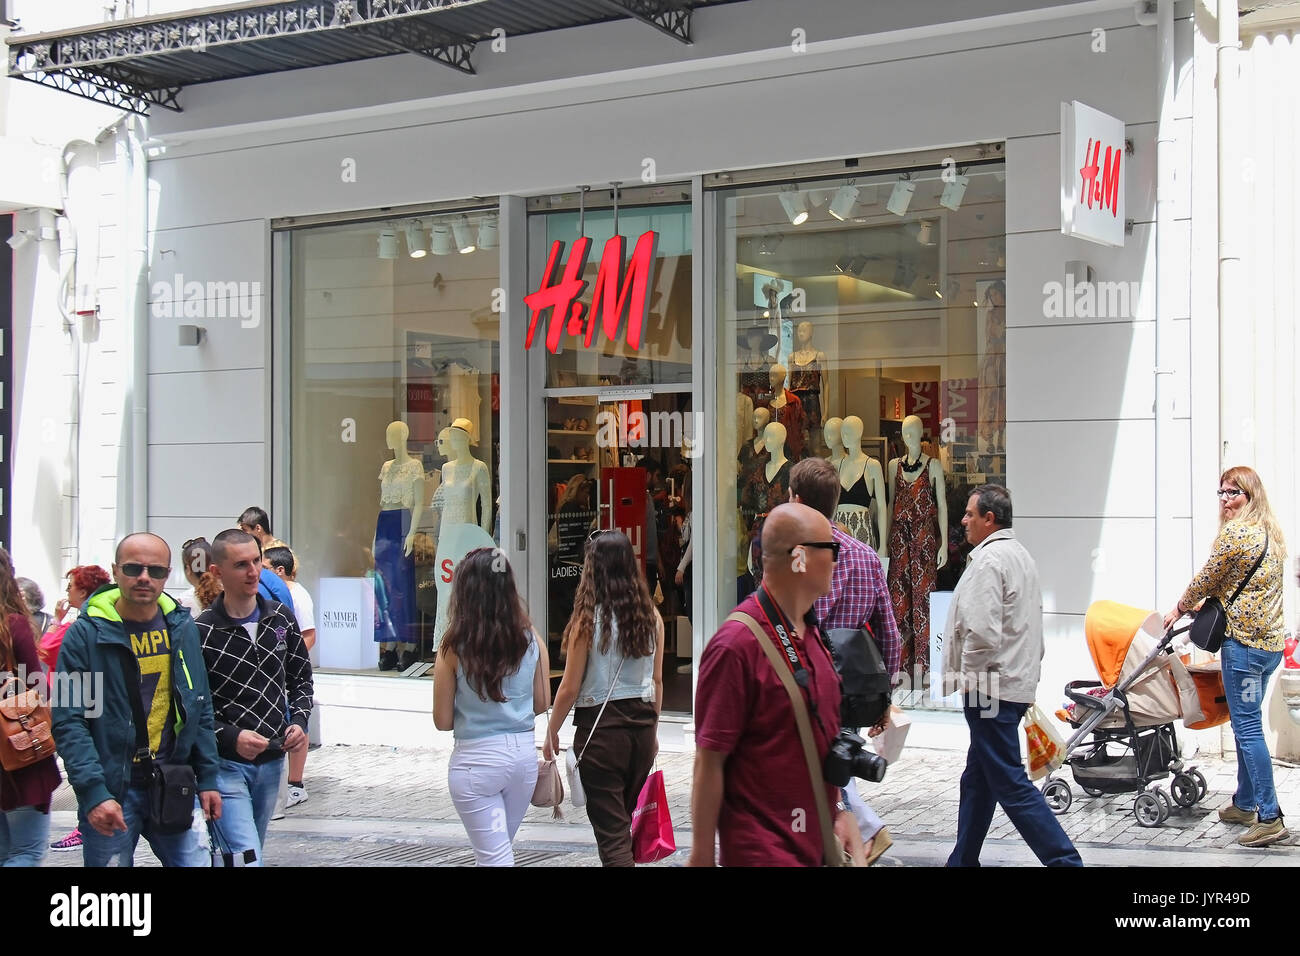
[621, 459]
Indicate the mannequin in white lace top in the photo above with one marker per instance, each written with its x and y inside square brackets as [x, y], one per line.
[401, 481]
[466, 483]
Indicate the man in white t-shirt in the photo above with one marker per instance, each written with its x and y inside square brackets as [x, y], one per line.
[283, 562]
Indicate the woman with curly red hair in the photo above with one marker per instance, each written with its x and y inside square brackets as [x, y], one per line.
[613, 678]
[83, 581]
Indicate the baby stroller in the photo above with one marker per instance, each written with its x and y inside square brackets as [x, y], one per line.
[1124, 738]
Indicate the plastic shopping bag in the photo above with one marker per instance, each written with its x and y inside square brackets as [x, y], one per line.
[652, 825]
[1046, 748]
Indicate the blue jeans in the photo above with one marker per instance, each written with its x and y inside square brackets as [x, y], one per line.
[172, 849]
[24, 835]
[994, 775]
[248, 793]
[1246, 671]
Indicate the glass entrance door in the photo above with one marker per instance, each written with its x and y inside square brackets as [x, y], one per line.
[619, 462]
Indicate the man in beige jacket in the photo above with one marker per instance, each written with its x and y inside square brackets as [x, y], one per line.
[993, 653]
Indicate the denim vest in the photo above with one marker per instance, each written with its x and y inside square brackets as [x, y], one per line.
[635, 681]
[476, 718]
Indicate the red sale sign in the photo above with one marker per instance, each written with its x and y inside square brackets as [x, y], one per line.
[619, 291]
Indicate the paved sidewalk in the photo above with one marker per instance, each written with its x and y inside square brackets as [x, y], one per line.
[377, 805]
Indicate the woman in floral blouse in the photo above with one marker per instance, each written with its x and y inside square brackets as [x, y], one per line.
[1252, 648]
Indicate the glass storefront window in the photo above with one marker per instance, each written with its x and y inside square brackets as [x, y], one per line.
[395, 423]
[863, 320]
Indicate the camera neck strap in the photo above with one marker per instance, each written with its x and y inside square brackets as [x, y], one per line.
[784, 629]
[785, 671]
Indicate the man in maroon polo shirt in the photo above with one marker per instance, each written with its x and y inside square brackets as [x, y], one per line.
[752, 788]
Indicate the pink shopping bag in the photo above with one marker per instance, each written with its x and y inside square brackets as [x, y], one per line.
[652, 825]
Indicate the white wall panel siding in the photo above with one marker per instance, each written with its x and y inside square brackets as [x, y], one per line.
[220, 252]
[227, 345]
[1081, 560]
[190, 480]
[219, 407]
[1096, 462]
[1034, 258]
[1085, 372]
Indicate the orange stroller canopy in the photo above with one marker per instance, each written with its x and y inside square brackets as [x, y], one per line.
[1110, 628]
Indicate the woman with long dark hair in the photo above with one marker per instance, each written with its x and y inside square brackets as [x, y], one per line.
[491, 679]
[24, 793]
[1249, 534]
[615, 646]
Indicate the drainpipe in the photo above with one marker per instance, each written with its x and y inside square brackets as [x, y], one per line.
[1169, 472]
[1231, 288]
[133, 500]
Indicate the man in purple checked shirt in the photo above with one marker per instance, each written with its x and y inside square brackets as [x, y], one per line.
[858, 595]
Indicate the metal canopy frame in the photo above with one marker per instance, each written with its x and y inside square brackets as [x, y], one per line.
[144, 62]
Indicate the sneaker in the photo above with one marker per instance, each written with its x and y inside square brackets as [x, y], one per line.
[1234, 814]
[296, 796]
[70, 842]
[1264, 832]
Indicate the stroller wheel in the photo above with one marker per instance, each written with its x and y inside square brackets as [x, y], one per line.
[1058, 796]
[1184, 789]
[1148, 809]
[1201, 787]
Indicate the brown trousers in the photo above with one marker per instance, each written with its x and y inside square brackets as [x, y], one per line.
[614, 768]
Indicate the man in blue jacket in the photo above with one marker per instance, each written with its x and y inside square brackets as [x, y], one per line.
[137, 640]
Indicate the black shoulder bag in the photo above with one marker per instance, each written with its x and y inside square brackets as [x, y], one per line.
[1210, 625]
[863, 681]
[172, 786]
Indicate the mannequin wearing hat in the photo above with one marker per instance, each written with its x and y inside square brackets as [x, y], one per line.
[466, 484]
[401, 503]
[808, 381]
[788, 410]
[755, 362]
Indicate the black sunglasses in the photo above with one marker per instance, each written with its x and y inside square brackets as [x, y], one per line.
[832, 546]
[158, 572]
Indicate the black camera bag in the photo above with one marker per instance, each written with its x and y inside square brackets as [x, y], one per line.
[864, 684]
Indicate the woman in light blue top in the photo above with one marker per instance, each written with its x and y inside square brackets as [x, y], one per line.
[489, 683]
[613, 681]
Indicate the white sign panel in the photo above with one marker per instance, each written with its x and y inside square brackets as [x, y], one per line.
[940, 601]
[345, 623]
[1093, 164]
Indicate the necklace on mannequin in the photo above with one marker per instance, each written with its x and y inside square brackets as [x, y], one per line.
[913, 466]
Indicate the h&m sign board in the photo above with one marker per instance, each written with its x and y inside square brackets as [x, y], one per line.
[1093, 164]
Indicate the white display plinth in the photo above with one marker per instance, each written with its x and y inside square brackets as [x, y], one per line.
[345, 623]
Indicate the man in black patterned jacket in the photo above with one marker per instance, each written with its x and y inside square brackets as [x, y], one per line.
[261, 691]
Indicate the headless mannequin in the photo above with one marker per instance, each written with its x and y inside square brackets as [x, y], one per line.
[808, 379]
[855, 466]
[744, 419]
[776, 379]
[401, 488]
[774, 436]
[762, 417]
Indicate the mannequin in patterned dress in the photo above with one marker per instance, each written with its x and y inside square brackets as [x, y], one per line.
[768, 486]
[808, 381]
[788, 410]
[918, 546]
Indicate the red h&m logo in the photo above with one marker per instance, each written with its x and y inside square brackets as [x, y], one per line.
[1106, 192]
[619, 291]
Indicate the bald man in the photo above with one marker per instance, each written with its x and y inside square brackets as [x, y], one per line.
[132, 640]
[752, 789]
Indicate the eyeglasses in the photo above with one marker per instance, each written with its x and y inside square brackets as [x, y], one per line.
[1229, 493]
[158, 572]
[832, 546]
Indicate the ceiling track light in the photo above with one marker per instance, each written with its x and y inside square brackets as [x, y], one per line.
[954, 192]
[487, 232]
[925, 234]
[415, 240]
[841, 206]
[796, 209]
[464, 236]
[901, 197]
[388, 243]
[440, 239]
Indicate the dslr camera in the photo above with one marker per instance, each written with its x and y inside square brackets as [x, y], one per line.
[848, 757]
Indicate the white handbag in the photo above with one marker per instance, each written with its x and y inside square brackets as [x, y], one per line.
[576, 793]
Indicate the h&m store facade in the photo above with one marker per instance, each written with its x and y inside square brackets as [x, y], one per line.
[853, 229]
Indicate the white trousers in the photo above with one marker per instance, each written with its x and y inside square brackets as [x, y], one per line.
[491, 782]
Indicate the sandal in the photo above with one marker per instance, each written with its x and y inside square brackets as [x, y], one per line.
[879, 845]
